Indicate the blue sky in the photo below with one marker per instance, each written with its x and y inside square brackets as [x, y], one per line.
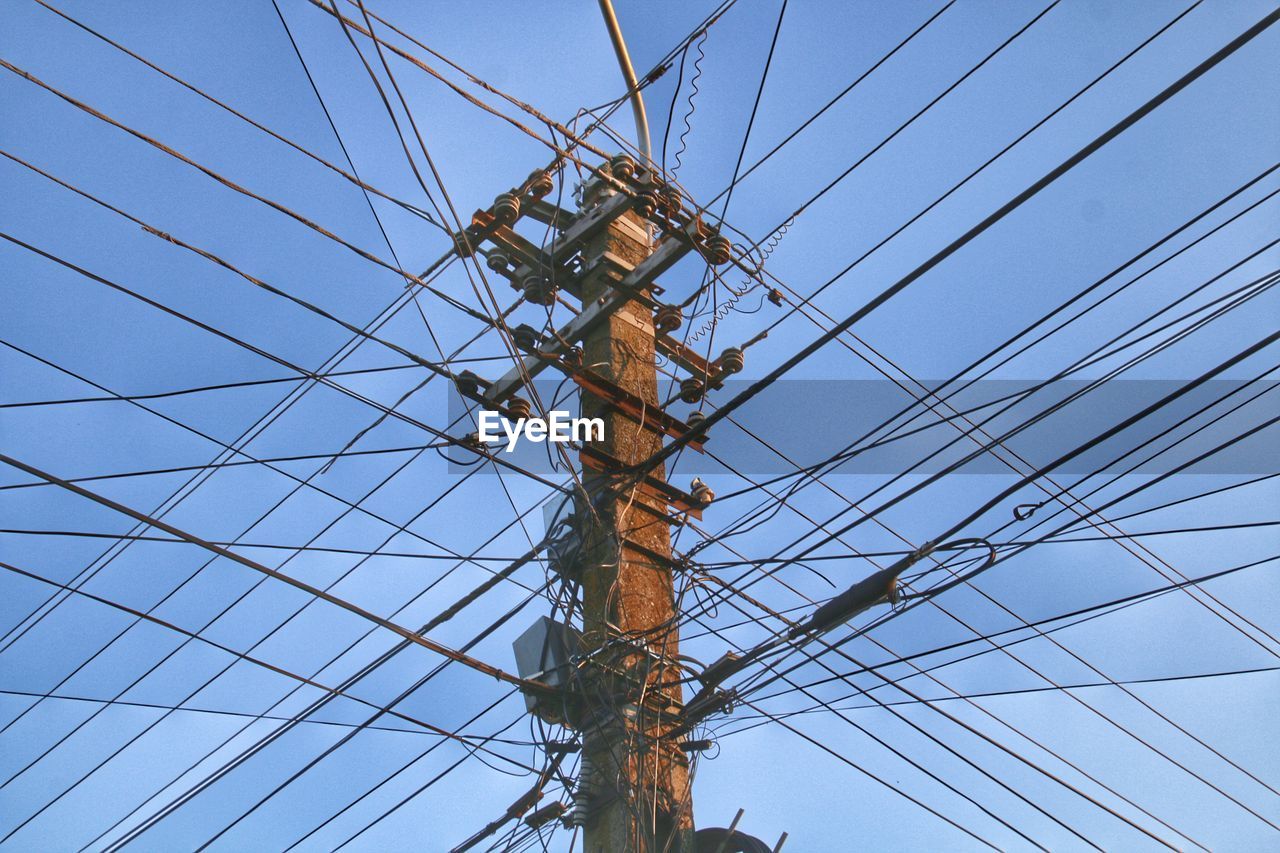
[1210, 139]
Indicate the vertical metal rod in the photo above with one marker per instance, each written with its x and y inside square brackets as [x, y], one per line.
[629, 77]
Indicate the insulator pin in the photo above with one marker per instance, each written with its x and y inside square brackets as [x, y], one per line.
[540, 184]
[731, 361]
[691, 389]
[719, 250]
[518, 408]
[539, 291]
[701, 492]
[464, 244]
[669, 201]
[468, 383]
[506, 208]
[526, 337]
[646, 203]
[667, 319]
[622, 167]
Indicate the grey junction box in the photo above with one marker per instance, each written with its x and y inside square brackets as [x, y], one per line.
[542, 654]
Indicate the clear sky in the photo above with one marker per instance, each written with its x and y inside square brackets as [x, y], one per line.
[1198, 754]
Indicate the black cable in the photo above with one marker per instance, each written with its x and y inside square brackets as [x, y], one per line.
[269, 573]
[1017, 201]
[444, 616]
[940, 743]
[1144, 486]
[1021, 691]
[222, 712]
[87, 534]
[198, 389]
[497, 320]
[232, 185]
[278, 360]
[422, 727]
[724, 564]
[691, 101]
[9, 639]
[831, 103]
[312, 708]
[346, 154]
[1086, 614]
[353, 178]
[982, 448]
[1012, 728]
[219, 465]
[254, 429]
[755, 106]
[1195, 497]
[1084, 447]
[791, 218]
[742, 150]
[1097, 283]
[1202, 455]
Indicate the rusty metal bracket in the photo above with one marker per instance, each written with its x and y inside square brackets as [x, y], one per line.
[594, 459]
[691, 361]
[541, 210]
[650, 416]
[633, 282]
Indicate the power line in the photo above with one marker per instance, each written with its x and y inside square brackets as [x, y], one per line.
[315, 592]
[1017, 201]
[424, 727]
[352, 178]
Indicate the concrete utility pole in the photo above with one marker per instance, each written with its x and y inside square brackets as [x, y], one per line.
[620, 686]
[637, 778]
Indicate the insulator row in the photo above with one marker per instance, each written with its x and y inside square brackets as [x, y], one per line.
[506, 210]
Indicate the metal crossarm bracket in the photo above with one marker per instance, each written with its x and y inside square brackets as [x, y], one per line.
[594, 459]
[650, 417]
[637, 280]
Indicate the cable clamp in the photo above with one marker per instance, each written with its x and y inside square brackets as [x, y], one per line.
[1024, 511]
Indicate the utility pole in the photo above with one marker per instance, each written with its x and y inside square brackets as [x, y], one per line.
[636, 778]
[635, 769]
[619, 683]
